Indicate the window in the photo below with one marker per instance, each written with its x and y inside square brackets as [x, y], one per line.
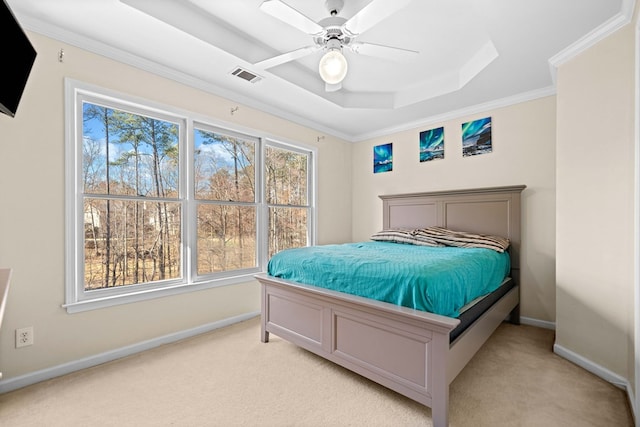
[287, 198]
[161, 202]
[226, 201]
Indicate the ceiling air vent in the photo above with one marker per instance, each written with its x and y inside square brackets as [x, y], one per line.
[246, 75]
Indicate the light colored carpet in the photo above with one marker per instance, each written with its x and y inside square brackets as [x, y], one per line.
[229, 378]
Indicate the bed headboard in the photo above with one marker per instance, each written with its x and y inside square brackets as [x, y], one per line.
[494, 211]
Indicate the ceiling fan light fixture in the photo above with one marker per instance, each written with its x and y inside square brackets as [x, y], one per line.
[333, 67]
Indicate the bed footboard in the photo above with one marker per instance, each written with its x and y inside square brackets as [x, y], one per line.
[402, 349]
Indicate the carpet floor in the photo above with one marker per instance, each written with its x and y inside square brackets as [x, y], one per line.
[229, 378]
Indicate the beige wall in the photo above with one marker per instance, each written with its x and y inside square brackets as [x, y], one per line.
[595, 203]
[523, 153]
[32, 215]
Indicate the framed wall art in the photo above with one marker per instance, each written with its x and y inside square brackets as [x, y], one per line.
[476, 137]
[432, 144]
[383, 158]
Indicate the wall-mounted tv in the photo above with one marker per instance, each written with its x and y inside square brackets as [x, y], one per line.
[17, 62]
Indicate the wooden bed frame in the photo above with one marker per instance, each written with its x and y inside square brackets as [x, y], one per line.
[406, 350]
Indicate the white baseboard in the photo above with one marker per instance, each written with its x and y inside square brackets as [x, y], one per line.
[594, 368]
[539, 323]
[15, 383]
[599, 371]
[586, 364]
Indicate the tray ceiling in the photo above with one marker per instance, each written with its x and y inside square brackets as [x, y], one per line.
[472, 54]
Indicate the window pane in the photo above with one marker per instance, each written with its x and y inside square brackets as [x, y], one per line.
[287, 228]
[128, 242]
[226, 238]
[128, 154]
[224, 167]
[286, 174]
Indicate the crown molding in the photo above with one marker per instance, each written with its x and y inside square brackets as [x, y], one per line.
[616, 22]
[468, 111]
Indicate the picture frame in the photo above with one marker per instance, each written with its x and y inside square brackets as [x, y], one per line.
[431, 144]
[383, 158]
[476, 137]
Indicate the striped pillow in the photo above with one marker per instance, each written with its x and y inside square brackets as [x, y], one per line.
[438, 236]
[462, 239]
[401, 236]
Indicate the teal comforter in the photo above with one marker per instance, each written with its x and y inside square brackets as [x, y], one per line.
[439, 280]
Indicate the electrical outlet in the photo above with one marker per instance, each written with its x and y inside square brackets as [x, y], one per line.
[24, 337]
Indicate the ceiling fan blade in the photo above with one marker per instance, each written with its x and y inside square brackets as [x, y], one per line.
[289, 15]
[371, 14]
[381, 51]
[286, 57]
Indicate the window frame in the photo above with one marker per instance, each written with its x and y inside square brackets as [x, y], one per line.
[311, 228]
[76, 298]
[194, 205]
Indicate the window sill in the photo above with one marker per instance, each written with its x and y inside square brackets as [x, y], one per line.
[111, 301]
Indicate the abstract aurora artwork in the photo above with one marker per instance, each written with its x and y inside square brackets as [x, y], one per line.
[383, 158]
[476, 137]
[432, 144]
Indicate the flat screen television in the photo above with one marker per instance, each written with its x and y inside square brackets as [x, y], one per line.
[17, 62]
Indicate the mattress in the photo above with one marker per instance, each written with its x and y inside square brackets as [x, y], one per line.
[440, 280]
[472, 311]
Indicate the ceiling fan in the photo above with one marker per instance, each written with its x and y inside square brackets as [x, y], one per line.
[334, 33]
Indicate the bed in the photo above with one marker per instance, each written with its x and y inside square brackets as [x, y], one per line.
[413, 352]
